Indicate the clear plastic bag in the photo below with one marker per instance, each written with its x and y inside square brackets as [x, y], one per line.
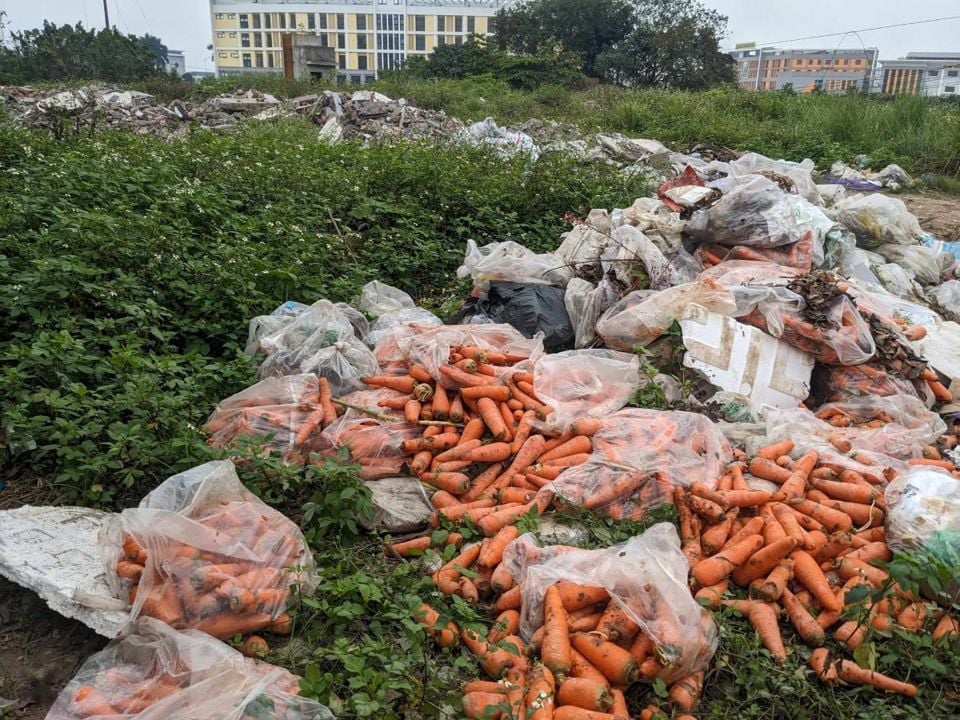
[920, 504]
[512, 261]
[946, 296]
[658, 222]
[639, 456]
[217, 558]
[733, 273]
[873, 300]
[877, 219]
[384, 325]
[584, 384]
[585, 303]
[800, 174]
[920, 261]
[906, 425]
[582, 246]
[264, 325]
[400, 505]
[647, 577]
[377, 298]
[843, 256]
[153, 672]
[644, 315]
[628, 247]
[770, 302]
[372, 442]
[840, 383]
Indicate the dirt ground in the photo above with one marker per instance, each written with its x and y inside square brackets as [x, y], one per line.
[938, 214]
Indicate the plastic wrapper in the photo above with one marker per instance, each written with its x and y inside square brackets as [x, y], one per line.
[905, 425]
[946, 296]
[658, 222]
[377, 298]
[582, 246]
[383, 326]
[400, 505]
[279, 408]
[872, 300]
[923, 263]
[843, 255]
[263, 325]
[512, 262]
[585, 383]
[647, 577]
[800, 174]
[585, 303]
[153, 672]
[877, 219]
[639, 456]
[430, 347]
[734, 273]
[799, 255]
[772, 303]
[922, 504]
[218, 559]
[628, 247]
[644, 315]
[842, 383]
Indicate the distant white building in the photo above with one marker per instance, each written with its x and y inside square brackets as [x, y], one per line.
[921, 73]
[176, 62]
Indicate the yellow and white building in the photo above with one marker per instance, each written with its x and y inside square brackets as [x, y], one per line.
[369, 36]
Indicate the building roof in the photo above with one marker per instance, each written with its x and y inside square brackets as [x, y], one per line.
[933, 56]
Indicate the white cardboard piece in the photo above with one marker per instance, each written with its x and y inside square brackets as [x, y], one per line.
[53, 551]
[742, 359]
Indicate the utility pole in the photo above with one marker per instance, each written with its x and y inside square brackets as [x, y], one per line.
[106, 15]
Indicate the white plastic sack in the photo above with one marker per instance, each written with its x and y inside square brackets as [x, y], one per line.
[507, 142]
[263, 325]
[877, 219]
[644, 315]
[658, 222]
[377, 298]
[585, 383]
[400, 505]
[512, 261]
[585, 303]
[647, 577]
[154, 672]
[876, 301]
[946, 295]
[920, 503]
[800, 173]
[920, 261]
[197, 521]
[384, 325]
[582, 246]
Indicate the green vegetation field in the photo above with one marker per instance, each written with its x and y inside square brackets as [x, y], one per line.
[131, 266]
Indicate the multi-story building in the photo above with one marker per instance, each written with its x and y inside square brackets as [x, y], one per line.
[832, 71]
[369, 36]
[176, 62]
[921, 73]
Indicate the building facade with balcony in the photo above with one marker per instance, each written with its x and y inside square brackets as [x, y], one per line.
[831, 71]
[368, 36]
[921, 73]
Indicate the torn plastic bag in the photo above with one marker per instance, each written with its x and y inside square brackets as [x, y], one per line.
[584, 384]
[281, 410]
[512, 262]
[218, 559]
[846, 339]
[263, 325]
[897, 280]
[153, 672]
[877, 468]
[843, 256]
[921, 504]
[377, 298]
[585, 303]
[923, 263]
[772, 303]
[798, 255]
[430, 346]
[646, 576]
[582, 246]
[384, 325]
[946, 296]
[644, 315]
[400, 505]
[628, 247]
[839, 383]
[639, 456]
[904, 425]
[874, 300]
[799, 174]
[531, 308]
[733, 273]
[657, 221]
[877, 219]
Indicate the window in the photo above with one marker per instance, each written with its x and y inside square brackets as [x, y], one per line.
[340, 22]
[341, 61]
[256, 21]
[267, 21]
[244, 39]
[933, 73]
[258, 40]
[458, 24]
[293, 20]
[221, 34]
[231, 16]
[356, 79]
[950, 89]
[361, 22]
[222, 54]
[362, 62]
[219, 16]
[323, 21]
[233, 34]
[383, 2]
[471, 24]
[952, 73]
[323, 40]
[270, 60]
[491, 26]
[361, 42]
[819, 62]
[244, 21]
[282, 17]
[269, 39]
[260, 60]
[234, 54]
[420, 43]
[311, 21]
[247, 60]
[441, 23]
[342, 40]
[458, 40]
[419, 23]
[441, 40]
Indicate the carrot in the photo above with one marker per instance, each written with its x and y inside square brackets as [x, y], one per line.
[616, 625]
[912, 616]
[940, 391]
[484, 705]
[410, 548]
[616, 664]
[420, 462]
[491, 523]
[468, 590]
[510, 599]
[456, 513]
[762, 562]
[652, 712]
[859, 514]
[281, 625]
[585, 693]
[499, 393]
[712, 570]
[852, 634]
[771, 587]
[400, 383]
[832, 520]
[768, 470]
[462, 378]
[491, 555]
[494, 452]
[540, 693]
[793, 488]
[506, 415]
[619, 706]
[443, 441]
[807, 628]
[702, 490]
[715, 536]
[91, 702]
[486, 686]
[872, 551]
[516, 684]
[711, 595]
[456, 453]
[129, 570]
[576, 445]
[164, 605]
[454, 483]
[555, 649]
[685, 692]
[584, 623]
[490, 413]
[586, 426]
[442, 498]
[572, 712]
[576, 597]
[772, 452]
[763, 617]
[255, 647]
[473, 430]
[745, 498]
[814, 540]
[566, 461]
[864, 494]
[226, 625]
[524, 428]
[580, 667]
[706, 508]
[507, 623]
[753, 526]
[448, 576]
[515, 494]
[529, 452]
[946, 627]
[850, 672]
[133, 551]
[808, 573]
[411, 411]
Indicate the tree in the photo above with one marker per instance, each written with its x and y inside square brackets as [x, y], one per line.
[674, 44]
[71, 52]
[580, 26]
[158, 48]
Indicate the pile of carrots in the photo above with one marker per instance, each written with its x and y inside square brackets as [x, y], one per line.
[220, 593]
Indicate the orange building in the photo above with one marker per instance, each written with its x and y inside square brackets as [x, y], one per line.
[832, 71]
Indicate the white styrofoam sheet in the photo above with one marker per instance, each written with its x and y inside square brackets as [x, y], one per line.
[53, 551]
[941, 347]
[745, 360]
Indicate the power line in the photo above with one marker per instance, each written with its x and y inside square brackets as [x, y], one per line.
[869, 29]
[144, 15]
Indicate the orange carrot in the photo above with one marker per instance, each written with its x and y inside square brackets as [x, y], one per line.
[494, 452]
[707, 509]
[454, 483]
[448, 577]
[712, 570]
[529, 451]
[540, 693]
[864, 494]
[555, 648]
[499, 393]
[711, 595]
[850, 672]
[576, 445]
[420, 462]
[281, 625]
[490, 413]
[833, 520]
[508, 422]
[807, 628]
[580, 667]
[129, 570]
[456, 452]
[585, 693]
[516, 684]
[768, 470]
[510, 599]
[616, 625]
[685, 692]
[524, 428]
[586, 426]
[507, 623]
[572, 712]
[745, 498]
[772, 452]
[946, 627]
[400, 383]
[715, 536]
[763, 617]
[515, 494]
[484, 705]
[456, 513]
[491, 555]
[762, 562]
[462, 378]
[443, 441]
[616, 664]
[771, 587]
[702, 490]
[411, 411]
[576, 597]
[753, 526]
[808, 573]
[226, 625]
[619, 707]
[255, 647]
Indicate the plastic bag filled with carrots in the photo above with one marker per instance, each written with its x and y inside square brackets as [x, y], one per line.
[645, 580]
[203, 552]
[639, 456]
[154, 671]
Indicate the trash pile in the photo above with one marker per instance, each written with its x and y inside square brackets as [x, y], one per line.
[862, 178]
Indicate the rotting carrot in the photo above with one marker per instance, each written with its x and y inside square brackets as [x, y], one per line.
[714, 537]
[490, 414]
[491, 555]
[619, 706]
[771, 587]
[507, 623]
[946, 627]
[400, 383]
[484, 705]
[524, 428]
[585, 693]
[616, 664]
[490, 453]
[616, 625]
[684, 694]
[707, 509]
[580, 667]
[541, 687]
[576, 597]
[572, 712]
[713, 569]
[711, 595]
[768, 470]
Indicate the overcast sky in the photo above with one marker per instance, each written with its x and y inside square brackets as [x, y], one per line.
[185, 24]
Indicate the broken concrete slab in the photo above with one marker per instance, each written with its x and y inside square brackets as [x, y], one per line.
[54, 552]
